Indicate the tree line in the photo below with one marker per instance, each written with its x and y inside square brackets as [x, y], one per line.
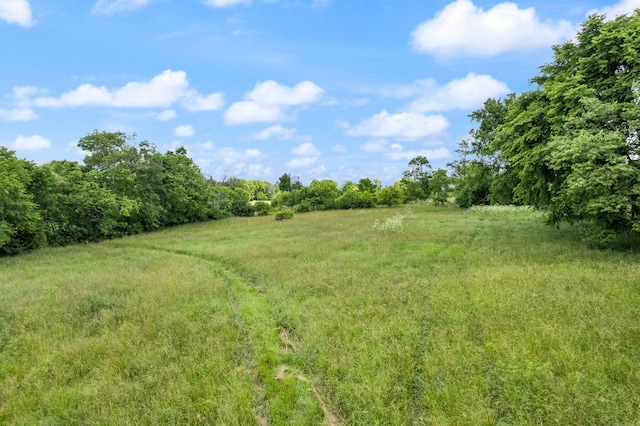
[123, 189]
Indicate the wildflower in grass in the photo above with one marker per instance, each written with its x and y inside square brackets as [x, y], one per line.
[500, 209]
[392, 224]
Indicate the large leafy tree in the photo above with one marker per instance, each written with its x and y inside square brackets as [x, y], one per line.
[20, 221]
[416, 179]
[484, 175]
[572, 142]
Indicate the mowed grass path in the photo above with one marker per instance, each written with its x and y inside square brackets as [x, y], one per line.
[462, 319]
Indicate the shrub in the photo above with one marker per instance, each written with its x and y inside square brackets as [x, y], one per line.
[355, 199]
[303, 207]
[262, 208]
[284, 214]
[242, 208]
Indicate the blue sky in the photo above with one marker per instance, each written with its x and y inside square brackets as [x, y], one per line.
[321, 89]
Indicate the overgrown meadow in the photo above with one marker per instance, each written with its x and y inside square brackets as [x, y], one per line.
[391, 316]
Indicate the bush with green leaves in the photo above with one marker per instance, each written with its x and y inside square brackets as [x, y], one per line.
[262, 208]
[284, 215]
[355, 199]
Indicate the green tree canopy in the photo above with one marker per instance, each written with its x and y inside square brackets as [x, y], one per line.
[571, 144]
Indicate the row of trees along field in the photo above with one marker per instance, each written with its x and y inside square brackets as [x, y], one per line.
[571, 145]
[123, 189]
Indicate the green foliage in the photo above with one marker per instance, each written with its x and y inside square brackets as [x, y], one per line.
[20, 220]
[353, 198]
[262, 208]
[571, 145]
[390, 196]
[440, 187]
[284, 214]
[303, 207]
[322, 195]
[416, 179]
[367, 185]
[281, 199]
[79, 209]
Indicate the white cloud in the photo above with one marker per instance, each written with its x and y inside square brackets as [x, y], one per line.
[16, 12]
[229, 161]
[463, 29]
[31, 143]
[257, 171]
[396, 152]
[308, 156]
[232, 156]
[184, 131]
[302, 162]
[273, 93]
[431, 154]
[251, 112]
[166, 115]
[469, 92]
[194, 102]
[306, 149]
[18, 114]
[275, 131]
[110, 7]
[225, 3]
[269, 100]
[22, 95]
[375, 146]
[339, 148]
[405, 125]
[621, 8]
[162, 91]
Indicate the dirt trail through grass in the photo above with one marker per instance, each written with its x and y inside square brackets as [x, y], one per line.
[284, 394]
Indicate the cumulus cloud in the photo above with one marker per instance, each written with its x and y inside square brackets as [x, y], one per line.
[184, 131]
[339, 148]
[251, 112]
[273, 93]
[469, 92]
[16, 12]
[18, 114]
[396, 152]
[166, 115]
[269, 101]
[306, 149]
[276, 131]
[302, 162]
[229, 161]
[308, 156]
[463, 29]
[621, 8]
[31, 143]
[375, 146]
[164, 90]
[195, 102]
[111, 7]
[431, 154]
[405, 126]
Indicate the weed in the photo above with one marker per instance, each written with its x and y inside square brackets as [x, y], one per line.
[393, 224]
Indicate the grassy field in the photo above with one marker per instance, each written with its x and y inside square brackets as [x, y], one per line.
[417, 315]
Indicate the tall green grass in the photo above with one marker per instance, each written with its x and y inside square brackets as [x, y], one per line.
[482, 317]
